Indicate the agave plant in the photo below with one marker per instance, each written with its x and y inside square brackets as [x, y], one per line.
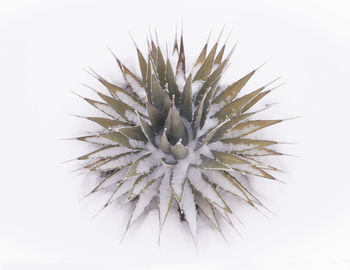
[177, 137]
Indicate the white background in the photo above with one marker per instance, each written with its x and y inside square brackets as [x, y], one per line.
[44, 47]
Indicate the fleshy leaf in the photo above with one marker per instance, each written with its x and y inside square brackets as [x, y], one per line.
[172, 85]
[228, 159]
[241, 145]
[175, 129]
[146, 129]
[156, 118]
[186, 100]
[210, 164]
[246, 128]
[205, 69]
[179, 151]
[225, 128]
[117, 137]
[237, 105]
[231, 91]
[108, 123]
[134, 133]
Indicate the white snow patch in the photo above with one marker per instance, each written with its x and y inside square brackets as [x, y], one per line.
[131, 116]
[144, 199]
[189, 207]
[131, 102]
[203, 187]
[165, 196]
[145, 181]
[146, 164]
[121, 161]
[208, 125]
[196, 86]
[109, 111]
[122, 188]
[235, 133]
[139, 91]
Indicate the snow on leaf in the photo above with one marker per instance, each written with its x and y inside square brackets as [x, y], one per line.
[165, 198]
[144, 199]
[203, 186]
[105, 152]
[228, 159]
[134, 133]
[210, 164]
[123, 187]
[134, 168]
[119, 161]
[240, 145]
[251, 169]
[188, 206]
[227, 183]
[207, 210]
[143, 181]
[261, 152]
[231, 91]
[246, 128]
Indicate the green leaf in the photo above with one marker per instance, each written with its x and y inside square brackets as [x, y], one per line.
[117, 137]
[107, 123]
[201, 57]
[181, 62]
[219, 56]
[119, 92]
[242, 145]
[179, 151]
[211, 82]
[147, 130]
[237, 105]
[118, 106]
[101, 150]
[175, 129]
[261, 152]
[198, 116]
[143, 65]
[186, 100]
[156, 118]
[228, 159]
[133, 170]
[172, 85]
[210, 164]
[160, 99]
[164, 143]
[105, 108]
[225, 128]
[134, 133]
[205, 69]
[255, 100]
[207, 190]
[248, 127]
[204, 139]
[161, 68]
[231, 91]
